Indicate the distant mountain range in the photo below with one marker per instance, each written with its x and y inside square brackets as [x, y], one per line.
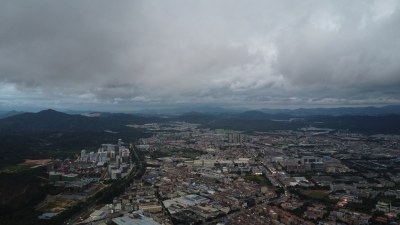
[370, 120]
[371, 111]
[51, 121]
[333, 111]
[6, 114]
[176, 111]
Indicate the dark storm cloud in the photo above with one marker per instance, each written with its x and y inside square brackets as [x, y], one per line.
[355, 53]
[257, 53]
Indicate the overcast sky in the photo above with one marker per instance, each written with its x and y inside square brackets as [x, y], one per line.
[129, 55]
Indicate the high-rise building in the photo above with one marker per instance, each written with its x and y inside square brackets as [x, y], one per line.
[83, 155]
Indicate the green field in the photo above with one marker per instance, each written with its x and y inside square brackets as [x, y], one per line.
[185, 153]
[14, 169]
[258, 179]
[316, 194]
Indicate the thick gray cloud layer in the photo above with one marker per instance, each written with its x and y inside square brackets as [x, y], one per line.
[257, 53]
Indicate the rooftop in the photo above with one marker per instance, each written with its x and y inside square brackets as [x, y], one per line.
[137, 221]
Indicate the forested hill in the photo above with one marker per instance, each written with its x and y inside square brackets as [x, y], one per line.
[55, 134]
[51, 121]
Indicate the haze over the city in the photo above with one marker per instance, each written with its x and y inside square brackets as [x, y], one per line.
[129, 55]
